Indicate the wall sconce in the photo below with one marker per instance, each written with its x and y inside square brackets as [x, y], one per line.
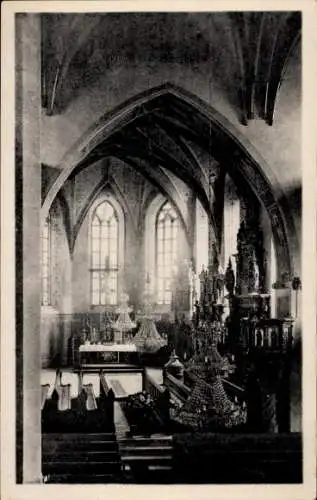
[296, 286]
[296, 283]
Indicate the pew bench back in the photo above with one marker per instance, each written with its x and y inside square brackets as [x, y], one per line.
[73, 457]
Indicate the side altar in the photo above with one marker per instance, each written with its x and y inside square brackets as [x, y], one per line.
[113, 343]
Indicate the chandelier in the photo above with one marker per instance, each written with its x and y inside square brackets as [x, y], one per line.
[123, 323]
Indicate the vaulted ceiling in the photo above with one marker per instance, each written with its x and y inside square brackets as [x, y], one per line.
[170, 130]
[247, 52]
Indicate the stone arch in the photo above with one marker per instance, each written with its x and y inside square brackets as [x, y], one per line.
[246, 161]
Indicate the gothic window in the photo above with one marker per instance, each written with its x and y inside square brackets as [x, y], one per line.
[46, 263]
[167, 225]
[104, 255]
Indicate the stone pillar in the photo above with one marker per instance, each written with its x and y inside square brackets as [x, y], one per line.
[192, 233]
[28, 109]
[191, 210]
[218, 210]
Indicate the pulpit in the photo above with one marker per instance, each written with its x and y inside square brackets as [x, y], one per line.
[274, 335]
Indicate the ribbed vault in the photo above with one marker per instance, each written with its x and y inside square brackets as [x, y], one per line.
[151, 131]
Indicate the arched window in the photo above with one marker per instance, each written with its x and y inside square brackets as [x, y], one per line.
[167, 225]
[104, 255]
[46, 263]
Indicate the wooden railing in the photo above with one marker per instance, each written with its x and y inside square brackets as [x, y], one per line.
[152, 387]
[234, 392]
[122, 428]
[177, 388]
[159, 411]
[161, 396]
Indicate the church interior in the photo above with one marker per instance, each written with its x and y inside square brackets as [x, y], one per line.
[158, 221]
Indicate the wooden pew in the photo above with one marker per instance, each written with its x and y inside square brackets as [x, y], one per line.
[64, 399]
[91, 403]
[99, 411]
[56, 412]
[106, 397]
[80, 458]
[237, 458]
[104, 387]
[178, 389]
[86, 413]
[161, 395]
[44, 389]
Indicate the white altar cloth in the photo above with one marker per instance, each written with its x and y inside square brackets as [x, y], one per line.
[107, 348]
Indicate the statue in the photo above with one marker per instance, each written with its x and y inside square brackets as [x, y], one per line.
[215, 260]
[192, 283]
[203, 284]
[251, 276]
[196, 314]
[219, 281]
[256, 275]
[107, 327]
[230, 278]
[87, 329]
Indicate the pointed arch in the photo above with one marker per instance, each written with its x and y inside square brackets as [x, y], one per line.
[230, 145]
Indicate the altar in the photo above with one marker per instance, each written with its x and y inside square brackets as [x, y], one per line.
[93, 353]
